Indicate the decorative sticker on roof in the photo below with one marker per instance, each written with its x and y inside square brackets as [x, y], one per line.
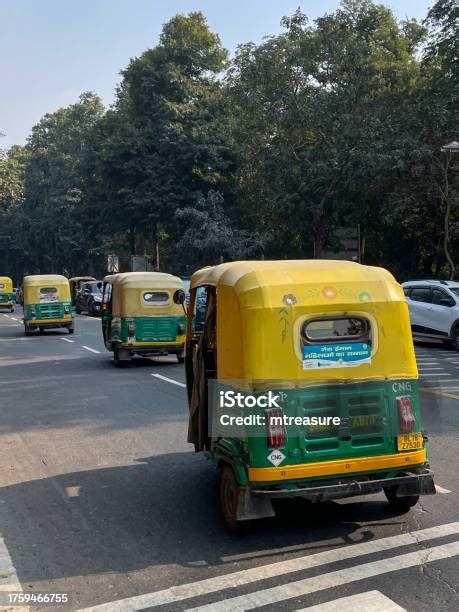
[289, 300]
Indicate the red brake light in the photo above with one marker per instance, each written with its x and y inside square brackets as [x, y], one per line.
[405, 414]
[276, 429]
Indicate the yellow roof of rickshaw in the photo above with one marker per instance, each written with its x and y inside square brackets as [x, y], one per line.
[5, 279]
[246, 275]
[38, 280]
[144, 280]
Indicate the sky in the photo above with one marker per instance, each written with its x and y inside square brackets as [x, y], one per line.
[52, 50]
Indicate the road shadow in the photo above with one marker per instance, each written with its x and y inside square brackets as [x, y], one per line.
[160, 511]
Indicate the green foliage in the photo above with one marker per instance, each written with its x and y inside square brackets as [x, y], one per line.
[328, 124]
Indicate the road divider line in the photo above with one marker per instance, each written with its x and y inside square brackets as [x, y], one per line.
[280, 568]
[370, 601]
[67, 340]
[300, 588]
[88, 348]
[169, 380]
[8, 576]
[438, 392]
[441, 490]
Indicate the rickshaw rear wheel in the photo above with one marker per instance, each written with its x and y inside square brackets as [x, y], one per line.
[403, 504]
[228, 494]
[180, 358]
[27, 330]
[70, 329]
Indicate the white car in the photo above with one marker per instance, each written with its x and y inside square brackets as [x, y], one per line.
[434, 309]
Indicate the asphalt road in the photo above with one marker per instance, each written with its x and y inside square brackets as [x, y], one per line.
[101, 497]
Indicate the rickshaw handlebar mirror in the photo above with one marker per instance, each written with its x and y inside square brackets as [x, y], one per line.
[179, 296]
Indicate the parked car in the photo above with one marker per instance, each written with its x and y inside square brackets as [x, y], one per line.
[89, 298]
[434, 309]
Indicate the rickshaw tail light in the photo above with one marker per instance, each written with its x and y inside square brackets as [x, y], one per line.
[276, 428]
[66, 310]
[180, 329]
[131, 329]
[406, 414]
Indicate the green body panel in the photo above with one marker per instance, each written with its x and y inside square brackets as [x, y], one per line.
[369, 426]
[50, 310]
[148, 329]
[7, 297]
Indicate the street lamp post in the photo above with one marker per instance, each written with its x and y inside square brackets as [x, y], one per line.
[450, 149]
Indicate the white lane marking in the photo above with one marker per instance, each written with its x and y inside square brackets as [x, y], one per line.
[8, 577]
[67, 340]
[300, 588]
[88, 348]
[371, 601]
[263, 572]
[441, 490]
[428, 361]
[436, 374]
[169, 380]
[14, 318]
[428, 369]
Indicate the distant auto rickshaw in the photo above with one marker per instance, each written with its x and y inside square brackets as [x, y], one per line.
[47, 303]
[316, 360]
[75, 285]
[143, 313]
[7, 297]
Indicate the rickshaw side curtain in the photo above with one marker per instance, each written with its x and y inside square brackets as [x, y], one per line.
[203, 353]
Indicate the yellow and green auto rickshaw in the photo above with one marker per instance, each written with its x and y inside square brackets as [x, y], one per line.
[75, 285]
[47, 303]
[143, 314]
[7, 296]
[303, 383]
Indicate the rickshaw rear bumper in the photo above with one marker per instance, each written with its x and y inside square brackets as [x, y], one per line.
[255, 502]
[408, 483]
[152, 349]
[51, 323]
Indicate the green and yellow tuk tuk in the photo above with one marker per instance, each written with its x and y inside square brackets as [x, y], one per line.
[75, 285]
[303, 383]
[47, 303]
[143, 314]
[7, 297]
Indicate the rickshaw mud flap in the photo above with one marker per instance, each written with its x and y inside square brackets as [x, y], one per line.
[251, 507]
[407, 484]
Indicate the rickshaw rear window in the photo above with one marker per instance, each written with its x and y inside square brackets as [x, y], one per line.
[330, 329]
[156, 298]
[48, 290]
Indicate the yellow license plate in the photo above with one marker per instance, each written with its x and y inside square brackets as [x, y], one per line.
[409, 441]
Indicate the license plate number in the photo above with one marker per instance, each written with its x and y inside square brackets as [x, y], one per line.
[409, 441]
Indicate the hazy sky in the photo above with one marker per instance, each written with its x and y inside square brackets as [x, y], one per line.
[52, 50]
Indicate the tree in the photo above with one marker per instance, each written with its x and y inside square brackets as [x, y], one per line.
[57, 176]
[165, 141]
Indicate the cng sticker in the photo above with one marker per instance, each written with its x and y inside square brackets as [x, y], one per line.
[276, 457]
